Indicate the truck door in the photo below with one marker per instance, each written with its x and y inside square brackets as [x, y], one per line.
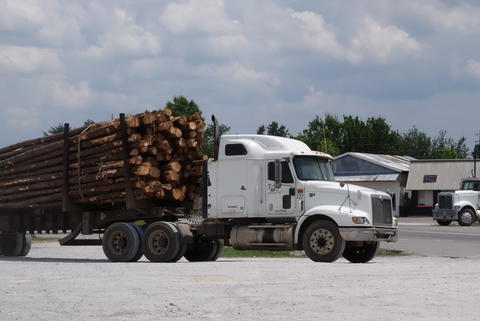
[280, 200]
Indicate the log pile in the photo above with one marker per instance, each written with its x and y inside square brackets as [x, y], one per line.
[164, 162]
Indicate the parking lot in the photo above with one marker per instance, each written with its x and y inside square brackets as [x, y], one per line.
[77, 283]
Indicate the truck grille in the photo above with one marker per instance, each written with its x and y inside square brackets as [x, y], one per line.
[445, 201]
[382, 211]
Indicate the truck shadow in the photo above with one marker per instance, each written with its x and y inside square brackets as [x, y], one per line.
[51, 260]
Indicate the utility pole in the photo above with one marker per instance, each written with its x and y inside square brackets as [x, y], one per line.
[476, 148]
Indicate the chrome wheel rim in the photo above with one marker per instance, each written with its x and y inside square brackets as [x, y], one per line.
[322, 241]
[467, 217]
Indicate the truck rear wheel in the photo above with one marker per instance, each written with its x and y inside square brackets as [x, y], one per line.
[141, 235]
[14, 244]
[162, 242]
[466, 217]
[360, 254]
[204, 250]
[121, 242]
[27, 244]
[322, 242]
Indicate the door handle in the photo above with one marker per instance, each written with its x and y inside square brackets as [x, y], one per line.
[243, 188]
[311, 194]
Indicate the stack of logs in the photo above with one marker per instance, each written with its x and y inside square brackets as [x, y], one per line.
[164, 162]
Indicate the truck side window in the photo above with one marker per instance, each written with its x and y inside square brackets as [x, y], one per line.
[235, 150]
[287, 177]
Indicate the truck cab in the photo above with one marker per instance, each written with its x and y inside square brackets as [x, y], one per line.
[276, 193]
[463, 205]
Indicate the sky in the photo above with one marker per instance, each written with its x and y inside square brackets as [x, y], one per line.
[249, 62]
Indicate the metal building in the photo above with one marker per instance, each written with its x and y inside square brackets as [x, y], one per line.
[386, 173]
[429, 177]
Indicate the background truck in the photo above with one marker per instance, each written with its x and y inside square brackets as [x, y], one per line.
[462, 205]
[258, 192]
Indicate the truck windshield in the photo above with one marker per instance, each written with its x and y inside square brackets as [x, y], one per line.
[471, 185]
[312, 168]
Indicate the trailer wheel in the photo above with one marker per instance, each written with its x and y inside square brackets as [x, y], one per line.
[204, 250]
[162, 242]
[27, 245]
[141, 235]
[322, 242]
[444, 222]
[466, 217]
[121, 242]
[13, 243]
[361, 254]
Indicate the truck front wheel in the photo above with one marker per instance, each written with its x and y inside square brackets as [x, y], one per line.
[360, 253]
[322, 242]
[466, 217]
[204, 250]
[444, 222]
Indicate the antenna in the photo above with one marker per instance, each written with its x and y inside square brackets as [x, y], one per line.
[324, 137]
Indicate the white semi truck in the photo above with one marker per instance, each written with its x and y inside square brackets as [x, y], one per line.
[462, 205]
[259, 192]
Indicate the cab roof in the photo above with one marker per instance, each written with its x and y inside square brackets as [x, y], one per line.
[265, 146]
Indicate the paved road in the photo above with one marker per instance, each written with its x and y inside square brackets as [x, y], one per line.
[421, 235]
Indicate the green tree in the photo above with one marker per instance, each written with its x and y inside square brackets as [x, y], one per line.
[323, 134]
[274, 129]
[182, 106]
[415, 143]
[56, 129]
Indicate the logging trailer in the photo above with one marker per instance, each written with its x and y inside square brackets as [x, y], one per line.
[259, 192]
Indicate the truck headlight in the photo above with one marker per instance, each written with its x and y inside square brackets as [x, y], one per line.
[360, 220]
[395, 222]
[457, 207]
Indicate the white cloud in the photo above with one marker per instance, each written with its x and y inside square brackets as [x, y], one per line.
[381, 43]
[28, 59]
[317, 34]
[206, 16]
[473, 67]
[21, 117]
[124, 38]
[241, 73]
[457, 17]
[64, 94]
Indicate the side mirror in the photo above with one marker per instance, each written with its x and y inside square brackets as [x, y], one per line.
[278, 173]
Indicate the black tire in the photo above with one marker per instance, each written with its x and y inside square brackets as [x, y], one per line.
[27, 245]
[204, 250]
[121, 242]
[322, 242]
[219, 252]
[141, 235]
[183, 246]
[361, 254]
[162, 242]
[466, 217]
[13, 243]
[444, 222]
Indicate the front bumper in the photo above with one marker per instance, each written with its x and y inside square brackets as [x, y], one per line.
[445, 214]
[369, 234]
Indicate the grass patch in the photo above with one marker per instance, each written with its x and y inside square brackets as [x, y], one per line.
[230, 252]
[43, 239]
[385, 252]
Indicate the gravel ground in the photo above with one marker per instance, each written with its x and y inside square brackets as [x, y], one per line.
[77, 283]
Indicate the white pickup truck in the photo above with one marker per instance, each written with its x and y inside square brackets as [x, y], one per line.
[462, 205]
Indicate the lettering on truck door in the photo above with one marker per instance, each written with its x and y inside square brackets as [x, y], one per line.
[280, 201]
